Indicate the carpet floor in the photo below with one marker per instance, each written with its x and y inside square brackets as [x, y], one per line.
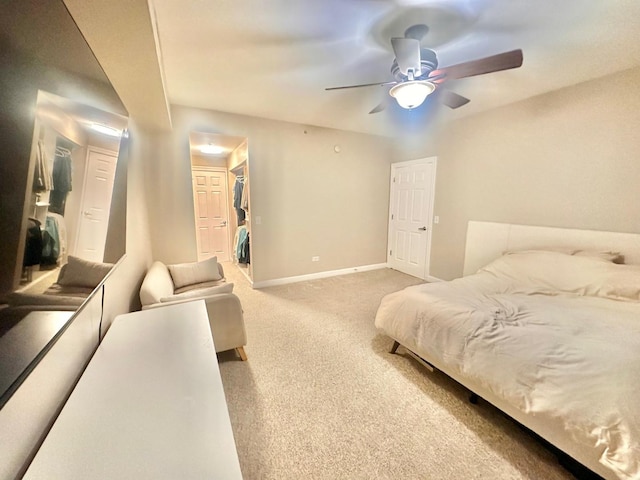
[321, 398]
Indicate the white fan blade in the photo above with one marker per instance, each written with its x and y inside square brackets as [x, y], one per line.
[407, 51]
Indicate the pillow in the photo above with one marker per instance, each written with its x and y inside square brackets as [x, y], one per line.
[20, 299]
[83, 273]
[196, 286]
[157, 283]
[546, 271]
[615, 257]
[70, 291]
[200, 292]
[622, 284]
[565, 250]
[551, 273]
[197, 272]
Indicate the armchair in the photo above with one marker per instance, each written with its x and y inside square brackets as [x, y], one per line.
[165, 285]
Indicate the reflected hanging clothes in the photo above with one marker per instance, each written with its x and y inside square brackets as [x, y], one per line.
[53, 240]
[42, 180]
[33, 246]
[62, 181]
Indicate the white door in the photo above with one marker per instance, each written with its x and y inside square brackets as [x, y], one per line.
[410, 214]
[210, 200]
[95, 205]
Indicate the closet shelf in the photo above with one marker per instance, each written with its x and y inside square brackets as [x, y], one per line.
[42, 204]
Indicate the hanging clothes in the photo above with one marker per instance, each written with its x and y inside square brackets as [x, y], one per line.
[42, 179]
[33, 246]
[244, 202]
[50, 243]
[240, 240]
[62, 181]
[53, 240]
[243, 248]
[244, 251]
[62, 171]
[238, 188]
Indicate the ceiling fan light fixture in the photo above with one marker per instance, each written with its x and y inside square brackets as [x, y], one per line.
[411, 94]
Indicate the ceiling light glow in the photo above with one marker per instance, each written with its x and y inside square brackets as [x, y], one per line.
[211, 149]
[106, 130]
[411, 94]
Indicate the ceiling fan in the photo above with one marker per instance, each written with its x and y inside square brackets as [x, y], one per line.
[416, 73]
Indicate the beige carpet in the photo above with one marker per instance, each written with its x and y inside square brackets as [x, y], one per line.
[320, 397]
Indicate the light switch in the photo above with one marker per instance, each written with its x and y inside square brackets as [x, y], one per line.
[436, 219]
[258, 220]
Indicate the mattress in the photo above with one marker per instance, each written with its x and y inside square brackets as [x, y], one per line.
[554, 335]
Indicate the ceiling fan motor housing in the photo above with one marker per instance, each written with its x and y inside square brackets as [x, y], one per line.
[428, 63]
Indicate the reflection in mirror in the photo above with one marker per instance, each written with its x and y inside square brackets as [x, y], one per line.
[74, 159]
[62, 128]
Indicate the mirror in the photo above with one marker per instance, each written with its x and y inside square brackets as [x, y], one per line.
[63, 128]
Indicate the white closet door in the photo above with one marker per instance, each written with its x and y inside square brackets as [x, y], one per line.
[210, 196]
[410, 216]
[95, 205]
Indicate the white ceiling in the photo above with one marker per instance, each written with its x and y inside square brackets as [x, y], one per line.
[274, 58]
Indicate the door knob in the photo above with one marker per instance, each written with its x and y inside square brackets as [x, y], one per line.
[422, 228]
[223, 223]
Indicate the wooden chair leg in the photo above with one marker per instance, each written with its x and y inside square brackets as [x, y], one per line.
[242, 354]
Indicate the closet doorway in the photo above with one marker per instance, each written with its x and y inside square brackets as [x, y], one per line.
[220, 180]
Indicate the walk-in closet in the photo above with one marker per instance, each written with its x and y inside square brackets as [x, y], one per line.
[221, 196]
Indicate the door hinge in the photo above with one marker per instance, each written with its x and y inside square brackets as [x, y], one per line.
[392, 216]
[390, 252]
[394, 179]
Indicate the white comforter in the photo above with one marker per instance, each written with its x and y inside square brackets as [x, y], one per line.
[541, 337]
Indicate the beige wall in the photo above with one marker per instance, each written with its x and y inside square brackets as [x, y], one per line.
[122, 291]
[570, 158]
[312, 201]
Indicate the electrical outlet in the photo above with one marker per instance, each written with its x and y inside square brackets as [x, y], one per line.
[315, 259]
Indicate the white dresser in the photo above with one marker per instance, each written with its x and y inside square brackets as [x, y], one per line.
[150, 405]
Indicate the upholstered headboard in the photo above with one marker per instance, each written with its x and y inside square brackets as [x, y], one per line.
[487, 241]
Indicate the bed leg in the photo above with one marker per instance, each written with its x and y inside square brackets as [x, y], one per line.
[395, 347]
[473, 398]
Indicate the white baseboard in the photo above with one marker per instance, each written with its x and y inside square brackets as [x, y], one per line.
[433, 279]
[428, 278]
[315, 276]
[243, 271]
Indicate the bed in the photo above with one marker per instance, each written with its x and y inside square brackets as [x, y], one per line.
[545, 325]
